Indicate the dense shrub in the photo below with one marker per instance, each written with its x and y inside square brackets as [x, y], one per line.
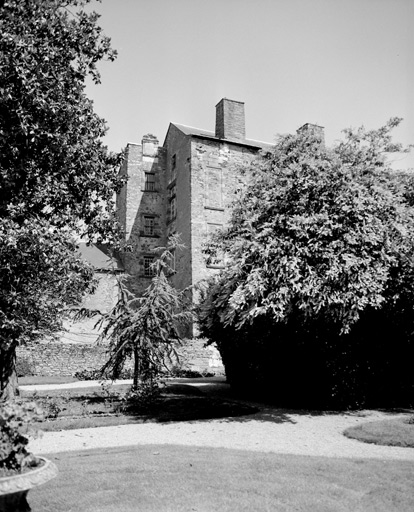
[24, 367]
[315, 305]
[14, 429]
[180, 372]
[126, 373]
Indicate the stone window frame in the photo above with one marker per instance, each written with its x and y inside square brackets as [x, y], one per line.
[172, 190]
[173, 167]
[207, 204]
[149, 185]
[172, 208]
[148, 225]
[147, 268]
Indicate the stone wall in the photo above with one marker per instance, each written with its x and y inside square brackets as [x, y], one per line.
[138, 201]
[179, 190]
[215, 178]
[84, 332]
[52, 358]
[194, 355]
[64, 359]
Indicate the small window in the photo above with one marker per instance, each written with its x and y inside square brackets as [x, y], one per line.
[149, 225]
[173, 191]
[173, 167]
[150, 181]
[173, 208]
[172, 261]
[149, 270]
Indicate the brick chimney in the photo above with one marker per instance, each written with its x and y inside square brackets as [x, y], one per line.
[230, 120]
[315, 129]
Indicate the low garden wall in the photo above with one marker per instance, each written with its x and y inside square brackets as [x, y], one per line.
[52, 358]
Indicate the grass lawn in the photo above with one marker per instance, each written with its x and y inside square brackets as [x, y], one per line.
[32, 380]
[176, 478]
[395, 432]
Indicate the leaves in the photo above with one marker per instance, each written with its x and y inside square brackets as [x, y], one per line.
[146, 328]
[317, 232]
[52, 161]
[57, 179]
[15, 419]
[41, 274]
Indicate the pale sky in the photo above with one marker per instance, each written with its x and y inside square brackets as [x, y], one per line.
[336, 63]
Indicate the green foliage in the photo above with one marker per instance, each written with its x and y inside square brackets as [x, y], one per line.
[88, 375]
[148, 328]
[320, 251]
[14, 428]
[180, 372]
[41, 275]
[126, 373]
[146, 394]
[57, 179]
[24, 367]
[53, 164]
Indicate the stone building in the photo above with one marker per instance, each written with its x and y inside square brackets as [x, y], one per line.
[184, 186]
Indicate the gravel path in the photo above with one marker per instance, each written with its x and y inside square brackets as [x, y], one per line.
[272, 431]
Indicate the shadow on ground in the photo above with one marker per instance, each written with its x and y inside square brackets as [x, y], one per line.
[187, 400]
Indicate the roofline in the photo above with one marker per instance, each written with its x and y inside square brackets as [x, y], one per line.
[233, 101]
[227, 141]
[166, 135]
[250, 143]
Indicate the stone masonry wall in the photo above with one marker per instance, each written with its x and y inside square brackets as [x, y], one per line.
[136, 201]
[61, 359]
[215, 179]
[104, 299]
[65, 359]
[179, 190]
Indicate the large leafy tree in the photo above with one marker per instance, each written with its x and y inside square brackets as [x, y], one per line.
[57, 179]
[320, 268]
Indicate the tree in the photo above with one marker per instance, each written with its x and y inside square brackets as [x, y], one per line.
[146, 328]
[57, 179]
[320, 251]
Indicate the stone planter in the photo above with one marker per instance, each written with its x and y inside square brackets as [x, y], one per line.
[14, 489]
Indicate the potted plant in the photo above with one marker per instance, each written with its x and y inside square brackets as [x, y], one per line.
[20, 470]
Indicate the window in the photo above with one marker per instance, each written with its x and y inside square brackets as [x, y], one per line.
[149, 270]
[173, 191]
[149, 225]
[173, 167]
[173, 208]
[149, 181]
[214, 188]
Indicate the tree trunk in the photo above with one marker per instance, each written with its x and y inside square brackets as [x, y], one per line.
[8, 375]
[136, 369]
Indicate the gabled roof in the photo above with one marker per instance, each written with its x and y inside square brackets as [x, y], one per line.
[206, 134]
[99, 257]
